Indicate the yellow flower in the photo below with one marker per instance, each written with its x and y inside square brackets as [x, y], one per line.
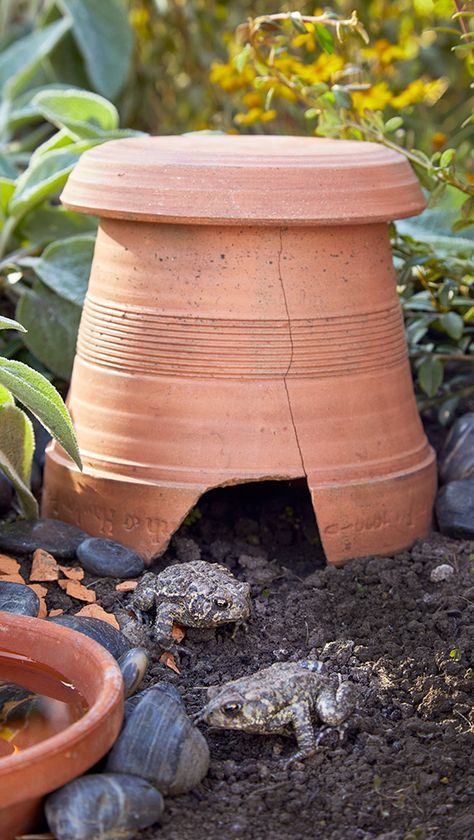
[384, 53]
[228, 77]
[376, 98]
[438, 140]
[420, 91]
[252, 100]
[254, 115]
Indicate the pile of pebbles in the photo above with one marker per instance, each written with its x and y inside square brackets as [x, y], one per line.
[159, 751]
[455, 500]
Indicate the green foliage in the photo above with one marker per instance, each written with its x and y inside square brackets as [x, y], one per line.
[45, 126]
[16, 431]
[282, 70]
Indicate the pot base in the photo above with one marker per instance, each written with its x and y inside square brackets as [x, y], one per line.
[355, 518]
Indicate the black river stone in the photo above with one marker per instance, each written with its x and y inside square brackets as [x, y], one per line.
[109, 806]
[25, 535]
[456, 459]
[455, 509]
[18, 598]
[109, 637]
[107, 558]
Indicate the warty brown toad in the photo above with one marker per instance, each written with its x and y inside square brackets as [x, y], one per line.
[285, 696]
[195, 594]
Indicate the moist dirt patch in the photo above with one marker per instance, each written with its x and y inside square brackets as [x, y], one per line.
[403, 769]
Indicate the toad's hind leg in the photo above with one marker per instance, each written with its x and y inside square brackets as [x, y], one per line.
[334, 706]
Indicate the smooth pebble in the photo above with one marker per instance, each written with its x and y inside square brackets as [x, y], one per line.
[107, 558]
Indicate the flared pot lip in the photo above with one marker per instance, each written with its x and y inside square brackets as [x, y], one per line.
[244, 180]
[51, 763]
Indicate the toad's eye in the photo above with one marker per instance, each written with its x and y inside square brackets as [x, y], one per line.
[221, 603]
[231, 709]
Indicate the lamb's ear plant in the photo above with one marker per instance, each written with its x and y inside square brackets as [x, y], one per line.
[17, 441]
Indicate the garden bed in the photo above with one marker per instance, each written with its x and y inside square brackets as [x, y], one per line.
[401, 770]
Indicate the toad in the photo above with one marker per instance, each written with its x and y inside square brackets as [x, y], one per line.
[195, 594]
[277, 699]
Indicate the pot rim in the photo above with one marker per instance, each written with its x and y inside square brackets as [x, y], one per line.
[56, 760]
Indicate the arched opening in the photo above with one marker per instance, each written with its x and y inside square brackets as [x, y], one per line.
[271, 518]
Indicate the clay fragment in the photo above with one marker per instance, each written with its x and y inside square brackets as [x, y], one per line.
[168, 659]
[126, 586]
[72, 572]
[41, 591]
[96, 611]
[44, 566]
[53, 613]
[8, 565]
[178, 633]
[15, 577]
[80, 592]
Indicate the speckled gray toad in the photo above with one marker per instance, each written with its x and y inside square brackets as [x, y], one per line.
[276, 699]
[196, 594]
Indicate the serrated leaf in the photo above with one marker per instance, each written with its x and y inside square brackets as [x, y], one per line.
[80, 112]
[20, 60]
[17, 443]
[10, 324]
[64, 267]
[324, 38]
[52, 324]
[104, 37]
[430, 375]
[36, 393]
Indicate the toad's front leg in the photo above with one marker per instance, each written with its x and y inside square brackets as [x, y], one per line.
[298, 715]
[163, 626]
[143, 599]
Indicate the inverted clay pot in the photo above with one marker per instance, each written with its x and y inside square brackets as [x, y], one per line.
[242, 323]
[26, 777]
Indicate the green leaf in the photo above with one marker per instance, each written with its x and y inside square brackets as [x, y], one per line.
[37, 394]
[297, 22]
[240, 60]
[17, 443]
[324, 38]
[10, 324]
[447, 157]
[82, 113]
[453, 324]
[393, 124]
[430, 375]
[52, 324]
[7, 170]
[104, 37]
[20, 60]
[45, 176]
[49, 223]
[5, 396]
[65, 267]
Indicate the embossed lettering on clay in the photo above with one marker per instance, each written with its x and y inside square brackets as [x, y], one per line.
[242, 323]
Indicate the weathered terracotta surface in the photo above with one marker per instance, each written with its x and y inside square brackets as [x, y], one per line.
[246, 326]
[26, 777]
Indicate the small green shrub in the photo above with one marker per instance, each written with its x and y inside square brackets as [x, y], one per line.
[17, 441]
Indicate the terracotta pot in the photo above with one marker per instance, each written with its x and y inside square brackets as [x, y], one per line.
[242, 323]
[26, 777]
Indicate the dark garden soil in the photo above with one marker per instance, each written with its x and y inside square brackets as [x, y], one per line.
[403, 770]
